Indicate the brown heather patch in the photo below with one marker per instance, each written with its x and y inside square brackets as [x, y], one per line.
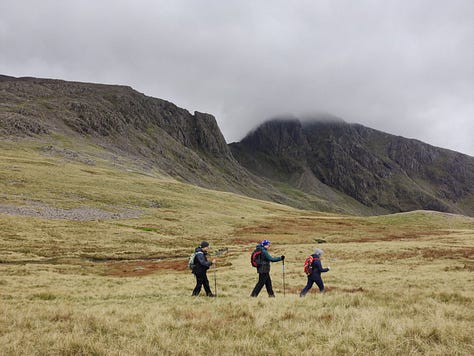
[170, 219]
[328, 289]
[295, 290]
[143, 268]
[427, 252]
[282, 229]
[326, 317]
[353, 290]
[470, 267]
[246, 240]
[345, 290]
[409, 235]
[292, 225]
[388, 256]
[465, 267]
[454, 253]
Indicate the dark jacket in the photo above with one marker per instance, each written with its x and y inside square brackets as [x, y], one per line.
[317, 267]
[201, 264]
[265, 260]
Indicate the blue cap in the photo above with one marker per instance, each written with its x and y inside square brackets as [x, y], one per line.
[265, 243]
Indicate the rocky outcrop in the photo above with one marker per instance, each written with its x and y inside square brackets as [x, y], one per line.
[187, 146]
[34, 106]
[155, 132]
[381, 171]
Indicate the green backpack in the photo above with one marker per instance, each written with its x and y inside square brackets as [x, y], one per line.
[191, 263]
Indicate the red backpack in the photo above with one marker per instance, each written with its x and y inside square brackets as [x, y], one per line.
[308, 265]
[256, 258]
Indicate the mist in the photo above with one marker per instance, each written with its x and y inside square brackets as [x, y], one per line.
[405, 68]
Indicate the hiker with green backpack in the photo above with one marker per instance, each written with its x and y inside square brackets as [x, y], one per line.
[261, 259]
[199, 265]
[313, 269]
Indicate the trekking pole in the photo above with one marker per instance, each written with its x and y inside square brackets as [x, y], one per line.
[215, 280]
[283, 269]
[219, 252]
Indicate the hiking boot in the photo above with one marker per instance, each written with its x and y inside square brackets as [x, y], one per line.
[271, 295]
[211, 295]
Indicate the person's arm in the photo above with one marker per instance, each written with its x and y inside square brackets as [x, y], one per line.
[202, 260]
[319, 266]
[270, 258]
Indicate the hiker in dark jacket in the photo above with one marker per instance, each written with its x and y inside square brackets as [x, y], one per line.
[201, 265]
[315, 276]
[264, 270]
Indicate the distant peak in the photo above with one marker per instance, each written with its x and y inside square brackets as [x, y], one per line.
[309, 118]
[322, 118]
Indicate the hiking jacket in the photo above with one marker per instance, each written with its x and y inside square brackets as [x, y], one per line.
[201, 264]
[317, 267]
[266, 259]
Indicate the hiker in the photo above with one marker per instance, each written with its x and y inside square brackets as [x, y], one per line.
[263, 270]
[200, 267]
[314, 275]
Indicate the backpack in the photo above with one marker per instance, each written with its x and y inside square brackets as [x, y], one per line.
[191, 263]
[256, 258]
[308, 265]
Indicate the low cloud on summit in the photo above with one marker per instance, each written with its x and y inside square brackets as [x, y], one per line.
[404, 67]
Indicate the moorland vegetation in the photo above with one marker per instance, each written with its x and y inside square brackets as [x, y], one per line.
[93, 261]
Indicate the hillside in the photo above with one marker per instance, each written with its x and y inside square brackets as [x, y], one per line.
[331, 167]
[155, 134]
[385, 172]
[119, 118]
[93, 260]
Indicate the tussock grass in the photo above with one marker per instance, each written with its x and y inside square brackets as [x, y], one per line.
[399, 284]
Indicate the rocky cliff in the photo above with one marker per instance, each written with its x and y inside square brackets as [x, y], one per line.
[384, 172]
[186, 146]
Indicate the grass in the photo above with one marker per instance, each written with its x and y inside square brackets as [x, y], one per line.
[399, 284]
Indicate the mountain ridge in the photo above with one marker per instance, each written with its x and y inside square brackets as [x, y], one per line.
[286, 161]
[378, 169]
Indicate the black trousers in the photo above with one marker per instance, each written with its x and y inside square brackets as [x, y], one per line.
[313, 279]
[201, 280]
[263, 280]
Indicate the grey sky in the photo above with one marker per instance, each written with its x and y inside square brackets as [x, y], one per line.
[401, 66]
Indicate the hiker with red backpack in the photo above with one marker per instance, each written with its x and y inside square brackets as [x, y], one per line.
[313, 269]
[261, 259]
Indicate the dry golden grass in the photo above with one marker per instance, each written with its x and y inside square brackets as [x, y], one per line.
[399, 284]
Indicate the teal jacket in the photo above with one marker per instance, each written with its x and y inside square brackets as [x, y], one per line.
[266, 259]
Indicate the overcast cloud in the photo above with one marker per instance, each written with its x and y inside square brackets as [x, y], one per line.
[401, 66]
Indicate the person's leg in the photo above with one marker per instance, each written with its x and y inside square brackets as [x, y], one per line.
[319, 282]
[259, 285]
[207, 288]
[268, 285]
[199, 282]
[308, 286]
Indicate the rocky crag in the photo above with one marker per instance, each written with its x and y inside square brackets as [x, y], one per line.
[186, 146]
[384, 172]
